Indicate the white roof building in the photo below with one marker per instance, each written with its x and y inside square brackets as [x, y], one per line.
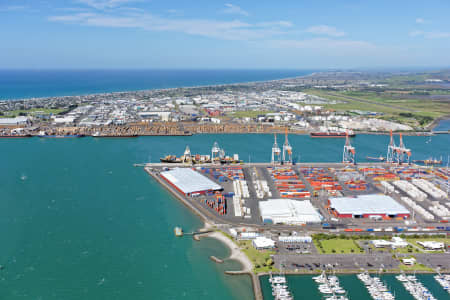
[295, 239]
[64, 120]
[20, 120]
[381, 243]
[189, 181]
[248, 235]
[262, 242]
[286, 211]
[396, 242]
[363, 205]
[409, 261]
[432, 245]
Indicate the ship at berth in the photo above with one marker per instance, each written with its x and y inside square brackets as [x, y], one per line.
[217, 156]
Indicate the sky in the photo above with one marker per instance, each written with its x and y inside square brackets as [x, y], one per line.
[210, 34]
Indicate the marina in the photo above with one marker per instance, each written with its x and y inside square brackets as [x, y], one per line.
[376, 288]
[280, 290]
[329, 286]
[380, 287]
[444, 281]
[415, 287]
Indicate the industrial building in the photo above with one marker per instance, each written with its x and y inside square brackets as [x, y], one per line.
[366, 206]
[286, 211]
[189, 182]
[14, 122]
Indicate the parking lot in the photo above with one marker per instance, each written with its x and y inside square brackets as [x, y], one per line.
[310, 262]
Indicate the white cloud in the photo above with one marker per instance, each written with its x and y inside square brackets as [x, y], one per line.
[234, 9]
[174, 11]
[324, 44]
[325, 30]
[228, 30]
[420, 20]
[12, 8]
[430, 34]
[104, 4]
[276, 24]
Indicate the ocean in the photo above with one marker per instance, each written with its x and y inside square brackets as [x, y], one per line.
[78, 221]
[19, 84]
[442, 125]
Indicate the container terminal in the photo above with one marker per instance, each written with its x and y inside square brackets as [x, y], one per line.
[386, 196]
[281, 203]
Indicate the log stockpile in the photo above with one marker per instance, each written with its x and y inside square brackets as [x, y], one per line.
[168, 128]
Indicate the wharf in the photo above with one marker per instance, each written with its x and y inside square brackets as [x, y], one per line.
[257, 164]
[318, 198]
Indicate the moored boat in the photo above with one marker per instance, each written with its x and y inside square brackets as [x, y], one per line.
[429, 161]
[380, 158]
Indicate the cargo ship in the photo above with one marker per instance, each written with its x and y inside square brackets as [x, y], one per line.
[217, 156]
[380, 158]
[430, 161]
[43, 134]
[11, 136]
[332, 134]
[187, 157]
[106, 135]
[61, 136]
[170, 159]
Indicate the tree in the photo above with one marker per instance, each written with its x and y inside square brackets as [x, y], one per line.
[269, 262]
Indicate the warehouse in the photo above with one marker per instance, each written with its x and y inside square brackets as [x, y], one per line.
[286, 211]
[14, 122]
[365, 206]
[189, 182]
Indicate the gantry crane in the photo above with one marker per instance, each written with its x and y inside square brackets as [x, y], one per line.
[276, 152]
[287, 150]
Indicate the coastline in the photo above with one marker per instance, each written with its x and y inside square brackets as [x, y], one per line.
[236, 253]
[436, 122]
[160, 89]
[241, 257]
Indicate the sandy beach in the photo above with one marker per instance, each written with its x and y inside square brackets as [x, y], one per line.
[236, 253]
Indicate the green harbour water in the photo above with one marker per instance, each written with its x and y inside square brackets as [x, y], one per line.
[78, 221]
[303, 287]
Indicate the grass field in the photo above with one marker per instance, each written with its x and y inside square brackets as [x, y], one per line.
[415, 267]
[259, 258]
[338, 245]
[249, 114]
[15, 113]
[395, 107]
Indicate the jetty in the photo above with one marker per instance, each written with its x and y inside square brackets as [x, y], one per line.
[415, 287]
[376, 288]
